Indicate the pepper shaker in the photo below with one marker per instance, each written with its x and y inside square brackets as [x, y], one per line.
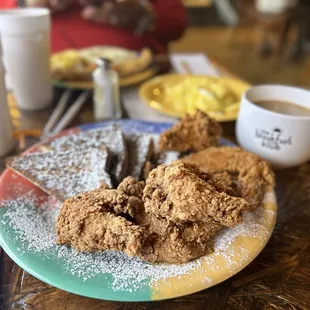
[6, 131]
[106, 91]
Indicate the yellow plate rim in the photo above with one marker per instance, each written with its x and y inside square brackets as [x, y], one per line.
[123, 82]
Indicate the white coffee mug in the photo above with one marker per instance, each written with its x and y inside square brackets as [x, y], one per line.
[26, 51]
[282, 140]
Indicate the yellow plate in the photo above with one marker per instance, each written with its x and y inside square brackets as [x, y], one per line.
[116, 54]
[154, 94]
[124, 82]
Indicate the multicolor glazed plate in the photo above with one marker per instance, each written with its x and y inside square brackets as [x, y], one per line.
[27, 234]
[175, 95]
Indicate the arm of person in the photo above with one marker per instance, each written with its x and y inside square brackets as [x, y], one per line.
[166, 19]
[170, 19]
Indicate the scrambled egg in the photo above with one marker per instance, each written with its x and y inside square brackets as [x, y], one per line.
[65, 60]
[206, 94]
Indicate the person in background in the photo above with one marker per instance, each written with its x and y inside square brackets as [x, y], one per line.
[228, 9]
[131, 24]
[7, 4]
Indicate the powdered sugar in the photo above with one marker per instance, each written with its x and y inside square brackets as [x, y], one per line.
[206, 280]
[112, 137]
[165, 158]
[140, 150]
[252, 226]
[269, 197]
[35, 232]
[65, 174]
[35, 228]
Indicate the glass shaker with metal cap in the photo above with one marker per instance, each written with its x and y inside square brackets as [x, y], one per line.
[106, 91]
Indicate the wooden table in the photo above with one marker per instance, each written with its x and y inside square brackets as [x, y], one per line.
[279, 278]
[197, 3]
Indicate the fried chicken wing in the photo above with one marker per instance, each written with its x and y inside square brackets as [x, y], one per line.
[100, 220]
[167, 241]
[132, 187]
[245, 171]
[170, 242]
[181, 192]
[192, 133]
[172, 218]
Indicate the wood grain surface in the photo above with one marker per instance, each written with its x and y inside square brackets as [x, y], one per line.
[279, 278]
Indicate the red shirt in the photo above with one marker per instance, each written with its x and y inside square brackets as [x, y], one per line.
[70, 30]
[6, 4]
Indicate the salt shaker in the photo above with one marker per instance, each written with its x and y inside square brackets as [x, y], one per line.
[6, 131]
[106, 91]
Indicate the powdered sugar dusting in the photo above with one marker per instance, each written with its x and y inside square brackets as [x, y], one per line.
[35, 227]
[65, 174]
[112, 137]
[206, 280]
[167, 157]
[252, 226]
[269, 197]
[35, 232]
[140, 149]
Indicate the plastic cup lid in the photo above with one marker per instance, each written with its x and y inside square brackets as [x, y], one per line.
[24, 21]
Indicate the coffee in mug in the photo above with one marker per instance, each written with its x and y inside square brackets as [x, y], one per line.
[274, 123]
[284, 107]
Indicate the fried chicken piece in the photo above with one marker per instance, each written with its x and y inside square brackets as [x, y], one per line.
[170, 242]
[131, 187]
[228, 181]
[181, 192]
[192, 133]
[248, 172]
[100, 220]
[173, 218]
[104, 186]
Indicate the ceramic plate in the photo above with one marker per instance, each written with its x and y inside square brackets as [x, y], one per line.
[117, 55]
[27, 234]
[123, 82]
[170, 95]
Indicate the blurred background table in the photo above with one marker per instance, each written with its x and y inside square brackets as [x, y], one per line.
[197, 3]
[279, 278]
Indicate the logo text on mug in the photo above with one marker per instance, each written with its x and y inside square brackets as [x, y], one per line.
[272, 139]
